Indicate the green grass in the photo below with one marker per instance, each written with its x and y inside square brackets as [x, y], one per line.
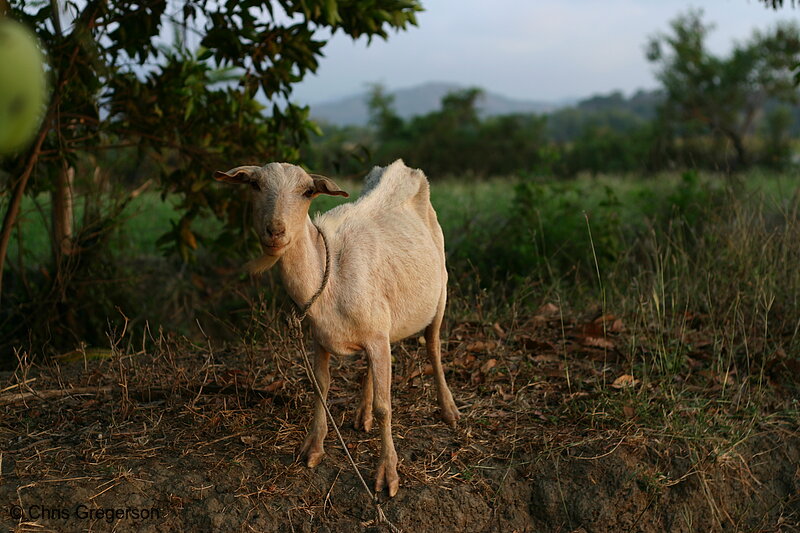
[32, 224]
[143, 221]
[469, 212]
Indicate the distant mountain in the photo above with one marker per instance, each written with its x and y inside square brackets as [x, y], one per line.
[419, 100]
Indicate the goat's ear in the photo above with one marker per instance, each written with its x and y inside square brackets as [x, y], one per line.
[325, 185]
[240, 175]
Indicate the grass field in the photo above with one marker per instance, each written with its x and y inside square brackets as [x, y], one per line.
[461, 205]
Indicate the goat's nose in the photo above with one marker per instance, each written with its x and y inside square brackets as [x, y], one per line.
[276, 230]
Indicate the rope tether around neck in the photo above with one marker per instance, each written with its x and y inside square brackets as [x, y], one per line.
[325, 276]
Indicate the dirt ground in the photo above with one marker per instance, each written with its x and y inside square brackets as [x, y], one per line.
[556, 435]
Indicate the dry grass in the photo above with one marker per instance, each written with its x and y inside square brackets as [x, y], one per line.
[175, 421]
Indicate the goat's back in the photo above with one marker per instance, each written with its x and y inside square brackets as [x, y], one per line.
[393, 192]
[390, 249]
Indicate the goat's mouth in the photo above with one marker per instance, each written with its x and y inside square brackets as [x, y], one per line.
[275, 249]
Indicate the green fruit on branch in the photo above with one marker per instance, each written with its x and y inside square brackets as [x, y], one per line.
[23, 88]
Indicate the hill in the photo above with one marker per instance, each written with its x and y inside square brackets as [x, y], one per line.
[419, 100]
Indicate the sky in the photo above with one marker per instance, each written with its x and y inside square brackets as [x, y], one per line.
[547, 50]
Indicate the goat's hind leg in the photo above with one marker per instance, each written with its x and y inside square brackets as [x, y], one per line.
[313, 449]
[449, 411]
[364, 413]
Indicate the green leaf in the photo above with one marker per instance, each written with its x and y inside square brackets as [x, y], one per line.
[314, 127]
[332, 12]
[204, 53]
[189, 108]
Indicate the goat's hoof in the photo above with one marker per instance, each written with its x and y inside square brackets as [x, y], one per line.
[387, 477]
[450, 416]
[311, 453]
[314, 458]
[363, 420]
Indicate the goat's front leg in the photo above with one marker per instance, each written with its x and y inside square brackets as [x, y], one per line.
[313, 448]
[380, 361]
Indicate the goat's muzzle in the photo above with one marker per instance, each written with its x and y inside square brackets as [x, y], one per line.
[274, 246]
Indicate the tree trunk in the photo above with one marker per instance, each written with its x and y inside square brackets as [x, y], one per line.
[62, 201]
[738, 146]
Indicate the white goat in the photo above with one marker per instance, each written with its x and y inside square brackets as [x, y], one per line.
[387, 281]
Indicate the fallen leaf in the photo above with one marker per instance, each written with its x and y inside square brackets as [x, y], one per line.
[721, 379]
[625, 381]
[557, 372]
[591, 329]
[603, 355]
[694, 363]
[197, 281]
[604, 318]
[708, 374]
[534, 344]
[578, 395]
[546, 358]
[249, 440]
[481, 346]
[628, 411]
[427, 371]
[225, 271]
[598, 342]
[497, 329]
[89, 404]
[698, 341]
[275, 385]
[694, 320]
[479, 376]
[503, 394]
[547, 309]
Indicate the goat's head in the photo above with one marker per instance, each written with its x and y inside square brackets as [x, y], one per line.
[282, 194]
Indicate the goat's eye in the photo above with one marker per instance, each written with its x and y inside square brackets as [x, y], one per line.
[309, 192]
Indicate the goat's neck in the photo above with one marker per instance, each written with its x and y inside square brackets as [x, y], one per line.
[302, 265]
